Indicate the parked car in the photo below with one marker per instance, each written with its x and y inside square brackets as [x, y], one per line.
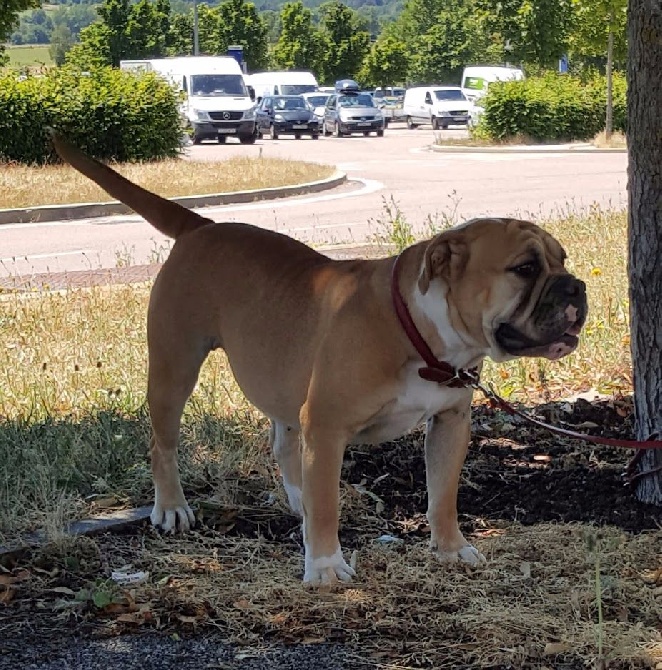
[476, 79]
[351, 111]
[286, 115]
[317, 101]
[440, 106]
[389, 100]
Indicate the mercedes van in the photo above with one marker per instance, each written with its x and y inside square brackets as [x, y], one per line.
[440, 106]
[217, 104]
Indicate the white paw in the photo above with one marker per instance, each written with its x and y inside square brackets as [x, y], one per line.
[467, 554]
[172, 519]
[294, 498]
[327, 570]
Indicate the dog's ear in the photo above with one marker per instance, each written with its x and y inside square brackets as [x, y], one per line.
[445, 257]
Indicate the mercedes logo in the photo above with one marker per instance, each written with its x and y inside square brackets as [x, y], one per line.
[226, 115]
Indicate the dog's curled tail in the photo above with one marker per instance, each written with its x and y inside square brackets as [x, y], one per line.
[166, 216]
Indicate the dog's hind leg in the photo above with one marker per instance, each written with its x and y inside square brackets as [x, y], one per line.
[287, 451]
[173, 371]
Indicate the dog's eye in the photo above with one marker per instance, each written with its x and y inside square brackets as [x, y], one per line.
[526, 270]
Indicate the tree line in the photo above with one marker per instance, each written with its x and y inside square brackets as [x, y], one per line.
[428, 41]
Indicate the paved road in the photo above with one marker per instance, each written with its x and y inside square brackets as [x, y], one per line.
[399, 166]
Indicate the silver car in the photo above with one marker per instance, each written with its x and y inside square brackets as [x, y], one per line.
[350, 112]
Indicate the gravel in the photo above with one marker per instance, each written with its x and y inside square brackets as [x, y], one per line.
[152, 651]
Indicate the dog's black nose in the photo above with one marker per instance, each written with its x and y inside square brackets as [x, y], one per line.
[568, 286]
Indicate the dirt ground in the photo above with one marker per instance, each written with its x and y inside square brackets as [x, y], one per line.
[541, 508]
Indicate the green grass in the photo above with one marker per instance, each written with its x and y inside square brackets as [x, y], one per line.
[28, 55]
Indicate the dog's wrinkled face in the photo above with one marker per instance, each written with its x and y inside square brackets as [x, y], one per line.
[507, 288]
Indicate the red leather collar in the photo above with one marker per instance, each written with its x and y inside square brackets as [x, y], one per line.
[435, 370]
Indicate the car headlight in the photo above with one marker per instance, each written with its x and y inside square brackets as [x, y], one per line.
[200, 115]
[249, 115]
[444, 114]
[378, 115]
[279, 117]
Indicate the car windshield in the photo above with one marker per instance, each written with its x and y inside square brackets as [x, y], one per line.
[317, 100]
[360, 100]
[450, 94]
[218, 84]
[296, 89]
[289, 103]
[389, 93]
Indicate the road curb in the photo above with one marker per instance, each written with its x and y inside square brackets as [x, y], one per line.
[109, 522]
[46, 213]
[525, 149]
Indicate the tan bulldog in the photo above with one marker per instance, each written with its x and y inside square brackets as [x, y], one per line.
[334, 352]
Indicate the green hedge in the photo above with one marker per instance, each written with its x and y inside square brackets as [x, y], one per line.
[111, 114]
[553, 107]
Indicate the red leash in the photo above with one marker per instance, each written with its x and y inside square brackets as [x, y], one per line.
[445, 374]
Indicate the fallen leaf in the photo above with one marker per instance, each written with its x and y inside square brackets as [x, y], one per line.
[187, 619]
[556, 648]
[64, 590]
[7, 595]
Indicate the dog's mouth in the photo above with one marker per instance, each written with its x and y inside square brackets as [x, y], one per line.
[558, 345]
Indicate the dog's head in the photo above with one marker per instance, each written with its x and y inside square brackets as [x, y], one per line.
[507, 287]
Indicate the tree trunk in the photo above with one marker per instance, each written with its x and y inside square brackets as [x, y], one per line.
[609, 121]
[645, 229]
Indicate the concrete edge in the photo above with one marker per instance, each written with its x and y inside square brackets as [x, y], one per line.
[97, 524]
[46, 213]
[525, 149]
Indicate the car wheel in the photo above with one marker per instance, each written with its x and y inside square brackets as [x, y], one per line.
[338, 131]
[315, 136]
[297, 136]
[248, 139]
[197, 140]
[435, 123]
[366, 133]
[386, 121]
[272, 132]
[380, 132]
[326, 131]
[410, 124]
[221, 139]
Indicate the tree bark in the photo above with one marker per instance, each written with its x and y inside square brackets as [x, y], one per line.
[645, 229]
[609, 121]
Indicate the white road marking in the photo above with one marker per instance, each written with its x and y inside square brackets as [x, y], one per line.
[369, 186]
[55, 254]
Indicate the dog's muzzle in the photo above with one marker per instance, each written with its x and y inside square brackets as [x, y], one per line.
[555, 324]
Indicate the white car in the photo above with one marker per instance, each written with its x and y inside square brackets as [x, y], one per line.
[317, 101]
[440, 106]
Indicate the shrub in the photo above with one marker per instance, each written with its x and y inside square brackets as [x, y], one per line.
[552, 107]
[111, 114]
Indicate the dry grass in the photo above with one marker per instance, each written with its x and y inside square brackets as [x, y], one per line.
[533, 606]
[26, 186]
[616, 141]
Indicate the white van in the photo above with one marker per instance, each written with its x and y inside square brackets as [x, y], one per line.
[477, 78]
[440, 106]
[218, 104]
[283, 82]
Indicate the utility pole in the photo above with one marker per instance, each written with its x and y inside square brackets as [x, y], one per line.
[196, 43]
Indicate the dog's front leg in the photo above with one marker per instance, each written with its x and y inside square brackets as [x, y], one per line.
[322, 456]
[446, 443]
